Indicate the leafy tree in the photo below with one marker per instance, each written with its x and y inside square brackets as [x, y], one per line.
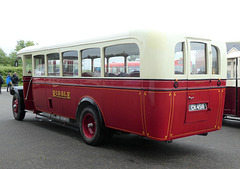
[7, 61]
[2, 53]
[10, 59]
[3, 57]
[4, 70]
[20, 45]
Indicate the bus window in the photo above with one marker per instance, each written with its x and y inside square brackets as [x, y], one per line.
[229, 66]
[28, 68]
[178, 61]
[70, 63]
[53, 64]
[234, 69]
[91, 62]
[122, 61]
[198, 58]
[39, 65]
[215, 60]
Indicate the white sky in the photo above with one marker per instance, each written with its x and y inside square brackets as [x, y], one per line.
[58, 21]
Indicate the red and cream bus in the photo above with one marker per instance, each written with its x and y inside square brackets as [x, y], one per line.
[166, 86]
[232, 106]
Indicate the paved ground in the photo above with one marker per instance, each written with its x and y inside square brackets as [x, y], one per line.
[36, 144]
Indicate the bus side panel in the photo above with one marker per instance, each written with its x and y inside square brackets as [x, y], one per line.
[71, 98]
[158, 108]
[209, 120]
[54, 96]
[223, 97]
[27, 93]
[39, 88]
[122, 110]
[179, 113]
[230, 102]
[120, 101]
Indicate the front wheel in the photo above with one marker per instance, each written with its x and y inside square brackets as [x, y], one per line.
[17, 108]
[91, 128]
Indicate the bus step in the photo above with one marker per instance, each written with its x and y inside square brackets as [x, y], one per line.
[61, 121]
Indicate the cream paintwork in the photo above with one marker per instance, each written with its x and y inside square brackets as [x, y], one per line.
[232, 58]
[232, 83]
[156, 53]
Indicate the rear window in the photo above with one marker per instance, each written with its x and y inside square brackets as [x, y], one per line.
[198, 58]
[215, 60]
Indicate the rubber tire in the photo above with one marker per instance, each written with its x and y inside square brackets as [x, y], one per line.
[99, 133]
[20, 114]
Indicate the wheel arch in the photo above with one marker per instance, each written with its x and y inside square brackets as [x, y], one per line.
[19, 91]
[88, 101]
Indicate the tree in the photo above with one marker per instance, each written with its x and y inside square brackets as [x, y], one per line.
[3, 57]
[20, 45]
[10, 59]
[2, 53]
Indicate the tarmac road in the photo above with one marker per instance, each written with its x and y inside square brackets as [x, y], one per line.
[32, 143]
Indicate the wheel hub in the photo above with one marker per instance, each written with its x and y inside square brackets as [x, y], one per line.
[88, 125]
[15, 106]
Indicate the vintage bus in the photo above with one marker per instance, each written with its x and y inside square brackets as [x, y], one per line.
[232, 107]
[163, 86]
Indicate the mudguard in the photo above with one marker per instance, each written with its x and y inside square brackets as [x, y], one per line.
[16, 89]
[19, 91]
[88, 101]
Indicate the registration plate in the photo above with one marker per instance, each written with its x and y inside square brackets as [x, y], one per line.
[196, 107]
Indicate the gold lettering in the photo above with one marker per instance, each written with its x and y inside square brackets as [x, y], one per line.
[61, 94]
[68, 95]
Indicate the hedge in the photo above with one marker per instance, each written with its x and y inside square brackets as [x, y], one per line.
[4, 70]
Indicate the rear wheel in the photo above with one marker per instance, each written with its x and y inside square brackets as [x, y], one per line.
[91, 128]
[17, 108]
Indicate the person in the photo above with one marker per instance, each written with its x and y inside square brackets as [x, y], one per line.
[1, 82]
[9, 81]
[15, 79]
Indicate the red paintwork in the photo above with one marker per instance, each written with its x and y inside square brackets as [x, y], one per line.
[152, 108]
[29, 104]
[230, 102]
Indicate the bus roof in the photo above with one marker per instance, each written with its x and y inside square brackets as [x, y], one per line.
[139, 34]
[71, 44]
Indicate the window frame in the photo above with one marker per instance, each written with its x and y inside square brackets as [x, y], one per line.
[54, 74]
[208, 59]
[78, 62]
[183, 56]
[125, 58]
[34, 65]
[205, 54]
[92, 73]
[218, 60]
[25, 65]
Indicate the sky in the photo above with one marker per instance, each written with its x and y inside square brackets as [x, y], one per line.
[58, 21]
